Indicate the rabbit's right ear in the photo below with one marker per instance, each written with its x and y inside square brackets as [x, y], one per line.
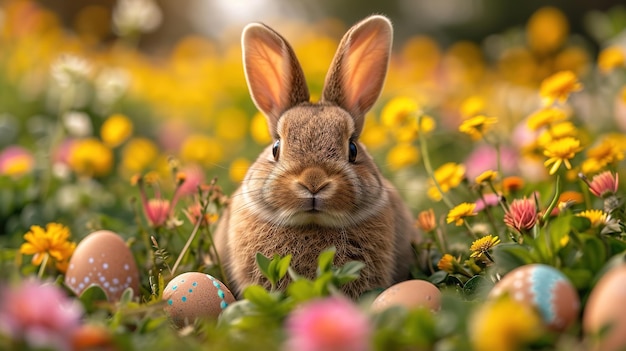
[275, 78]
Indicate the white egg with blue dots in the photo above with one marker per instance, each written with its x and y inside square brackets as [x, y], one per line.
[194, 295]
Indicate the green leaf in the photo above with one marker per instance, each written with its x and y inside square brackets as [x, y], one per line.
[325, 260]
[127, 296]
[92, 296]
[302, 290]
[509, 256]
[283, 266]
[580, 224]
[594, 253]
[263, 263]
[259, 296]
[476, 286]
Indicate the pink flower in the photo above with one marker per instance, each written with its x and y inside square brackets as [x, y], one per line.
[194, 177]
[522, 214]
[39, 314]
[604, 184]
[488, 200]
[485, 157]
[327, 325]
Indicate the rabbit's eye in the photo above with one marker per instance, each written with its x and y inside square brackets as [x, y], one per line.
[352, 150]
[276, 149]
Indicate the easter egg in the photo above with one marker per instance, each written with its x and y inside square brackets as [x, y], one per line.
[410, 294]
[606, 308]
[544, 288]
[195, 295]
[102, 258]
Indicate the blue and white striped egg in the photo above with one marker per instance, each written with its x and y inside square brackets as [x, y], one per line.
[194, 295]
[544, 288]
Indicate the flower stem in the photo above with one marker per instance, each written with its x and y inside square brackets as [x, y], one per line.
[555, 200]
[429, 168]
[42, 267]
[186, 247]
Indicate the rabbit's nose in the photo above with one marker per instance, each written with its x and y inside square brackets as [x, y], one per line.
[313, 180]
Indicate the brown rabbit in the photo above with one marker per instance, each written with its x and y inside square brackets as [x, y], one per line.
[317, 186]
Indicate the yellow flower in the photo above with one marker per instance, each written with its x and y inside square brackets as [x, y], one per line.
[460, 212]
[52, 241]
[116, 129]
[561, 151]
[373, 135]
[90, 157]
[402, 155]
[259, 129]
[483, 245]
[596, 217]
[201, 149]
[492, 328]
[238, 169]
[138, 154]
[547, 29]
[611, 58]
[447, 263]
[486, 177]
[545, 117]
[557, 131]
[398, 110]
[477, 126]
[606, 152]
[558, 86]
[449, 176]
[472, 106]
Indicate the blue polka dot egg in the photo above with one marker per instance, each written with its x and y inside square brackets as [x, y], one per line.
[194, 295]
[544, 288]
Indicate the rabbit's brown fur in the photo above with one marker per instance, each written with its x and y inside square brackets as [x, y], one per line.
[313, 194]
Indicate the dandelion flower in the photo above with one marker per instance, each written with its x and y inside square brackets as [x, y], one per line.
[547, 29]
[545, 117]
[447, 263]
[116, 129]
[522, 214]
[559, 86]
[90, 157]
[259, 129]
[53, 241]
[492, 328]
[560, 152]
[596, 217]
[448, 176]
[607, 152]
[611, 58]
[402, 155]
[482, 246]
[477, 126]
[460, 212]
[557, 131]
[486, 177]
[398, 110]
[238, 169]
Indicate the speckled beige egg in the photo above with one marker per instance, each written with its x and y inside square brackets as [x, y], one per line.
[545, 288]
[410, 294]
[606, 307]
[195, 295]
[102, 258]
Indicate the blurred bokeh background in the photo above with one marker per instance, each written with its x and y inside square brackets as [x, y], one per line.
[93, 92]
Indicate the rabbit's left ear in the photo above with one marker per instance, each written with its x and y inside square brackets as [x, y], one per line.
[273, 73]
[358, 71]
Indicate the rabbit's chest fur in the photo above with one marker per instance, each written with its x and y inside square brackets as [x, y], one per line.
[371, 242]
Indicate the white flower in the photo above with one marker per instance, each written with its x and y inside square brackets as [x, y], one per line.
[70, 69]
[110, 85]
[130, 16]
[77, 123]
